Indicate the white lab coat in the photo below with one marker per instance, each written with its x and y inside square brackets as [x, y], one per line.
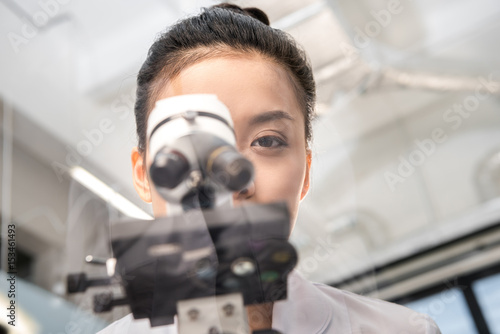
[317, 308]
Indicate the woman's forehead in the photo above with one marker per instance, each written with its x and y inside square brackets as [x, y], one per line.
[245, 83]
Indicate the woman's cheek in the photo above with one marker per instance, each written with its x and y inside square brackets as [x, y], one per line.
[278, 180]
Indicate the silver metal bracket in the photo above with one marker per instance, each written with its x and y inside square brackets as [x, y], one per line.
[224, 314]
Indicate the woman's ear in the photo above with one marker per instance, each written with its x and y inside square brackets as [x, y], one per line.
[139, 174]
[307, 176]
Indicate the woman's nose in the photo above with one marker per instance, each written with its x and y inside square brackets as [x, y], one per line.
[245, 194]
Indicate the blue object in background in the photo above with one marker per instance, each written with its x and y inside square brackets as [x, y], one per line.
[449, 310]
[487, 291]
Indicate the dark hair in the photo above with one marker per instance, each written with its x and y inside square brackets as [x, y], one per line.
[221, 30]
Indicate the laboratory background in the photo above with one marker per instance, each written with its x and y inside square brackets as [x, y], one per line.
[404, 202]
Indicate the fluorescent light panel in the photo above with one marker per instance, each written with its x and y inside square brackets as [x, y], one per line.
[102, 190]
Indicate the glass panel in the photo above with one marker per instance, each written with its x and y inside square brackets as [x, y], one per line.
[449, 310]
[487, 292]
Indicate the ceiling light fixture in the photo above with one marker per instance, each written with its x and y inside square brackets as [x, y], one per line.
[109, 195]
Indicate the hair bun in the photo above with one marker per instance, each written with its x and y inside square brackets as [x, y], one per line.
[258, 14]
[254, 12]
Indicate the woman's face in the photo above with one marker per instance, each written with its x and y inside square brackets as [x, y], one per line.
[268, 123]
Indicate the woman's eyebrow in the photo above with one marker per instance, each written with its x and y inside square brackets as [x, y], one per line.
[270, 116]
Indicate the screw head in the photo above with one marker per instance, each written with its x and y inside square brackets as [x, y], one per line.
[193, 314]
[228, 309]
[190, 115]
[213, 330]
[195, 179]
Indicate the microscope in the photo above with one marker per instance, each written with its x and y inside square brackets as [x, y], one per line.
[206, 259]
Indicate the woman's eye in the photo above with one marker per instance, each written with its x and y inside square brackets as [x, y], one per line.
[269, 142]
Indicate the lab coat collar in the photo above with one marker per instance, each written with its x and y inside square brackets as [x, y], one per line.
[306, 310]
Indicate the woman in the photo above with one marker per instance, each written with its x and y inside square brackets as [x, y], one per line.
[265, 80]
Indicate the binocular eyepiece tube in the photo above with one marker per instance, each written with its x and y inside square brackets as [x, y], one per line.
[192, 150]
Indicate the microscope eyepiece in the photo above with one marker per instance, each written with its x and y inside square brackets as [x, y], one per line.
[230, 168]
[169, 168]
[194, 135]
